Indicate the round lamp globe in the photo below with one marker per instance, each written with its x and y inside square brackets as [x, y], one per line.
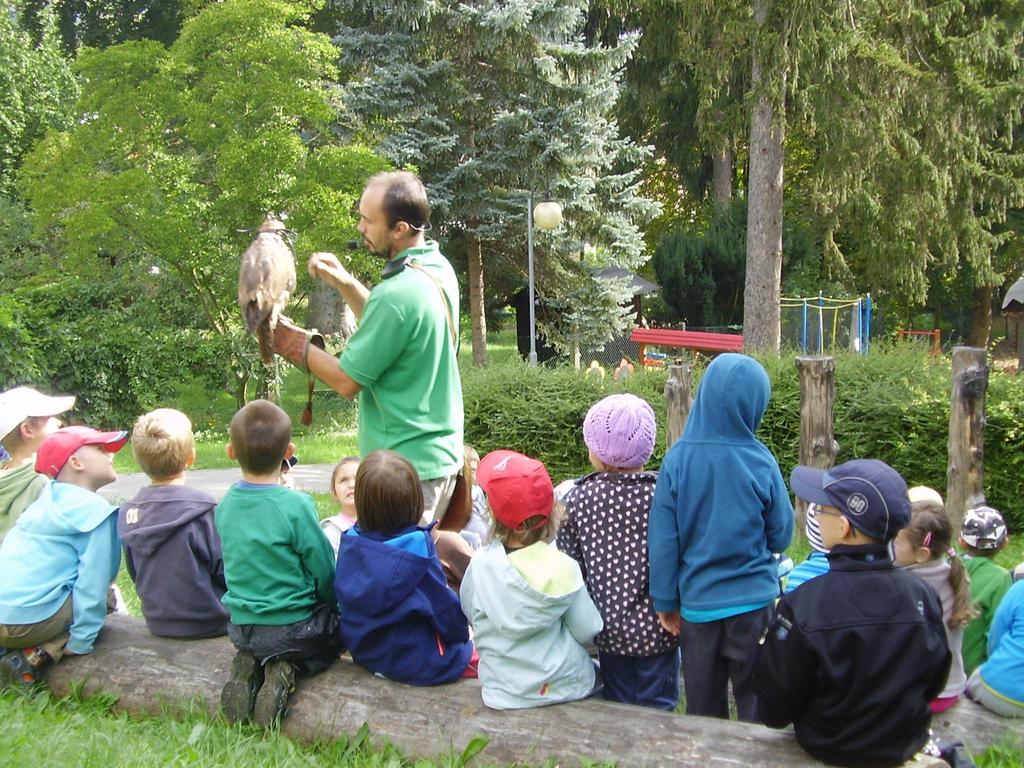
[547, 215]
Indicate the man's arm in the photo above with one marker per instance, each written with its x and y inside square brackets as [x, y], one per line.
[325, 367]
[327, 267]
[295, 345]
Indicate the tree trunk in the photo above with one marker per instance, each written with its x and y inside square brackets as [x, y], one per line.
[328, 312]
[721, 177]
[761, 313]
[162, 678]
[818, 446]
[678, 400]
[474, 256]
[965, 476]
[981, 317]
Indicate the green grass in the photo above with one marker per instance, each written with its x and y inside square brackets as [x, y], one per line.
[89, 733]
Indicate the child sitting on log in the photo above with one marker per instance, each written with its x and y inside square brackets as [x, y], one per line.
[343, 484]
[998, 684]
[58, 561]
[982, 536]
[399, 617]
[530, 610]
[853, 657]
[172, 550]
[26, 417]
[925, 548]
[605, 531]
[279, 569]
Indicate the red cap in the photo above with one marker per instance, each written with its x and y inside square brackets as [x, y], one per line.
[57, 448]
[517, 487]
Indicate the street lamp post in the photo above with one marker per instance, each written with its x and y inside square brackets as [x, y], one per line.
[548, 215]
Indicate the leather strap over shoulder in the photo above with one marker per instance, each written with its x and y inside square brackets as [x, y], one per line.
[444, 299]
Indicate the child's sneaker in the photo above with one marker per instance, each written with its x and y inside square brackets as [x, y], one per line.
[279, 682]
[239, 693]
[24, 667]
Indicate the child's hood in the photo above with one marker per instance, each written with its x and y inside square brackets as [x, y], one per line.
[525, 590]
[64, 509]
[14, 482]
[157, 512]
[376, 574]
[731, 400]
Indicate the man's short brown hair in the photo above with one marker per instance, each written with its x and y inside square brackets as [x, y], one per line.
[162, 442]
[260, 433]
[404, 198]
[388, 493]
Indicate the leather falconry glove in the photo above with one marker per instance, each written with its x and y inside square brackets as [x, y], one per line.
[292, 343]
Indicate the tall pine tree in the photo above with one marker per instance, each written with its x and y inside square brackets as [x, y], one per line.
[488, 100]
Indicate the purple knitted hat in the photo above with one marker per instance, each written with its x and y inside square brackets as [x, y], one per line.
[620, 431]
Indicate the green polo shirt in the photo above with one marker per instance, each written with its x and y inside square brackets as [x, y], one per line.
[403, 356]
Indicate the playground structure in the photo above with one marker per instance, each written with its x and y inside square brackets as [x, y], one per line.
[935, 347]
[823, 324]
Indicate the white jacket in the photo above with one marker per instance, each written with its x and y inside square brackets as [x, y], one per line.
[531, 614]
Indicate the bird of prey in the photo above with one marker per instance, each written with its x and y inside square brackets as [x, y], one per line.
[265, 281]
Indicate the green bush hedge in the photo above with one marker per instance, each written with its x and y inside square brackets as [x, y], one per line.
[889, 405]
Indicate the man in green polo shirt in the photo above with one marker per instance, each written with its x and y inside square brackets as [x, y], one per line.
[401, 361]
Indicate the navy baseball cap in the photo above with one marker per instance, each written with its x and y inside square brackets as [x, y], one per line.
[869, 493]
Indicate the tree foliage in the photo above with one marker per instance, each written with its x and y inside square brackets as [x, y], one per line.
[37, 90]
[914, 109]
[102, 23]
[175, 149]
[488, 100]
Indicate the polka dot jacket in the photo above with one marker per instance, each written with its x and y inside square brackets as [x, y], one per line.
[605, 531]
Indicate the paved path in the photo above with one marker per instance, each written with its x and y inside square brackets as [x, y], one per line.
[313, 478]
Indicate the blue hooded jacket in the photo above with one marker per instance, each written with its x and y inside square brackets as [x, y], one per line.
[721, 507]
[64, 545]
[399, 617]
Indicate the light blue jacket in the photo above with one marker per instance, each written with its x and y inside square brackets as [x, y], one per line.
[1003, 673]
[64, 544]
[721, 507]
[531, 614]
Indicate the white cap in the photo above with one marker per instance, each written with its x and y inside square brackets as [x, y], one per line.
[21, 403]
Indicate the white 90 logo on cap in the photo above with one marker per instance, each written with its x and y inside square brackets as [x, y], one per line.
[502, 465]
[857, 504]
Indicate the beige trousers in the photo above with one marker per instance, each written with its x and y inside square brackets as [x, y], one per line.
[50, 634]
[437, 495]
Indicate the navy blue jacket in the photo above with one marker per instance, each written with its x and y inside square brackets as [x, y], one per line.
[173, 555]
[852, 659]
[399, 617]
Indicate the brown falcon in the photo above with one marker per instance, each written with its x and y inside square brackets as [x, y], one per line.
[265, 281]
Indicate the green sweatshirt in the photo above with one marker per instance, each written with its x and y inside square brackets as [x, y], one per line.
[278, 564]
[19, 487]
[989, 582]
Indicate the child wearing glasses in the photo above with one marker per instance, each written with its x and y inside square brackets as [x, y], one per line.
[853, 657]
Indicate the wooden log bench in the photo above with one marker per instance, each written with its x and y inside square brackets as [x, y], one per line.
[699, 341]
[150, 675]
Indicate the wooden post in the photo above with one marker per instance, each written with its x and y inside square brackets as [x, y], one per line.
[965, 470]
[678, 399]
[818, 446]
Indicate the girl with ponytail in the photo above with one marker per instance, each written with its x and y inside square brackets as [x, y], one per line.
[926, 548]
